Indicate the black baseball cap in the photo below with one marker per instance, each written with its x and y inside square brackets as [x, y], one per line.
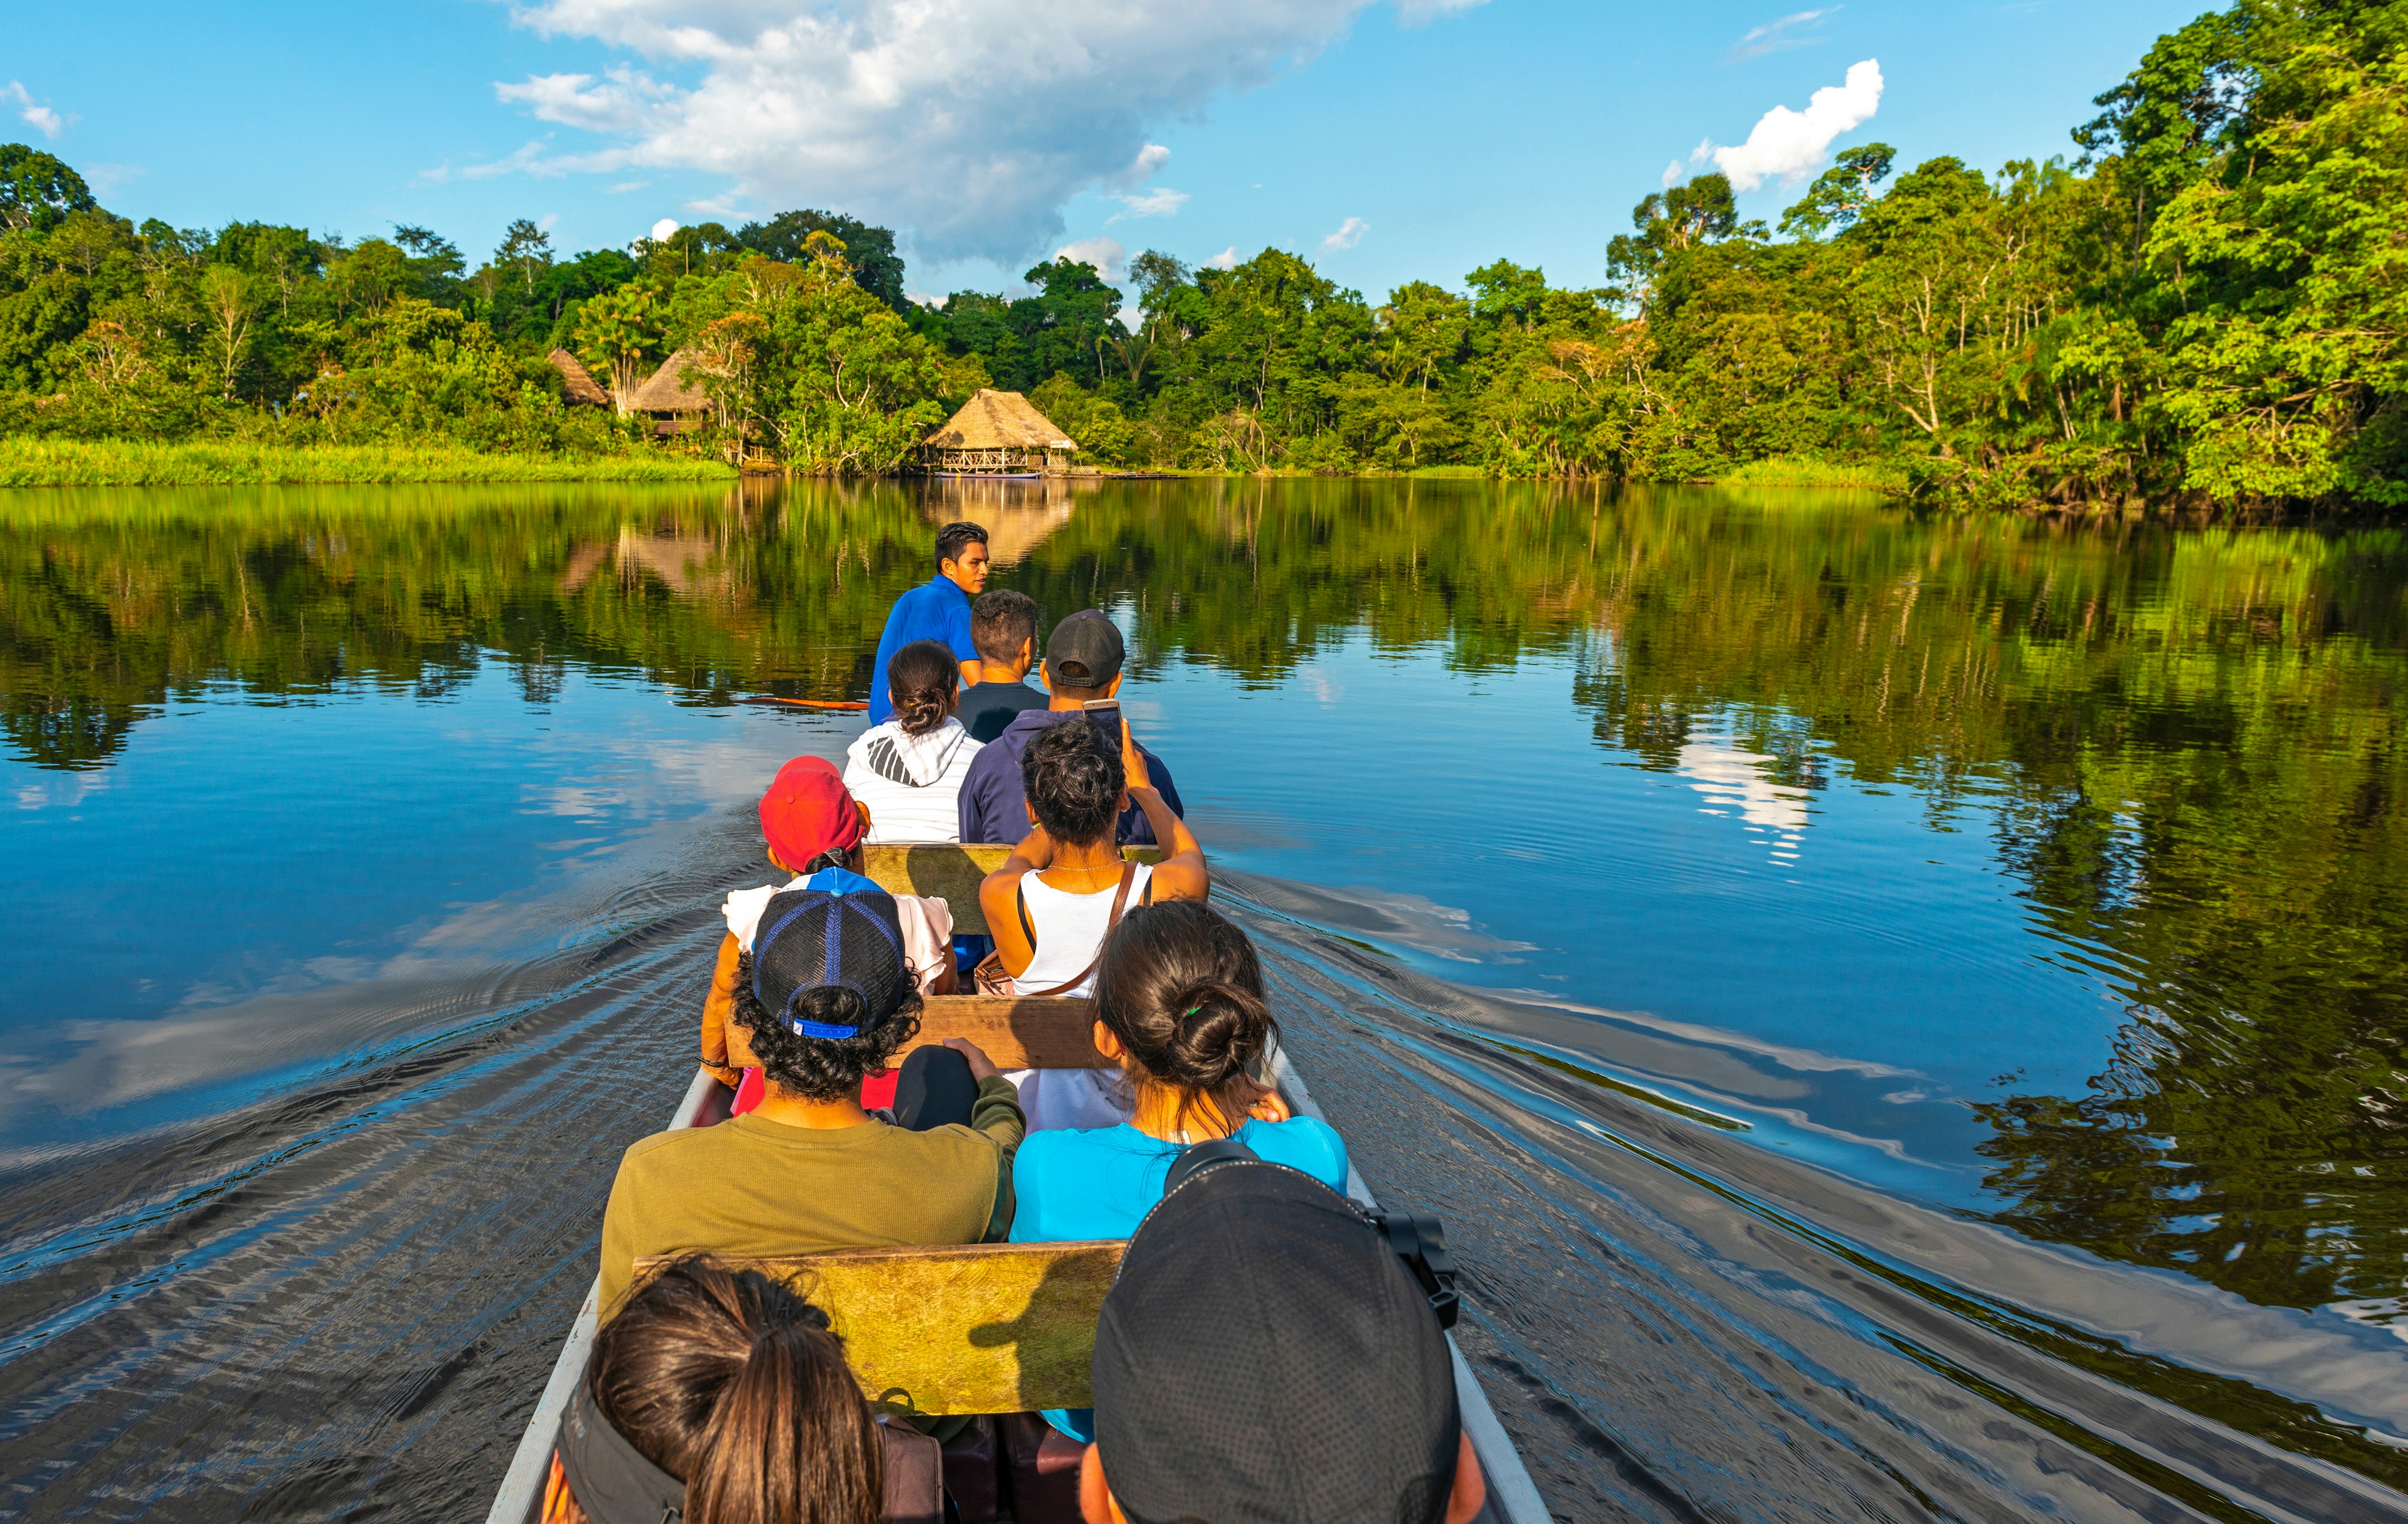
[1264, 1355]
[1084, 651]
[810, 938]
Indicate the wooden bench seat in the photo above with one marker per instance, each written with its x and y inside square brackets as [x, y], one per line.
[1054, 1031]
[952, 873]
[976, 1328]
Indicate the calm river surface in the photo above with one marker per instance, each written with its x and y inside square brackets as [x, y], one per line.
[1902, 1017]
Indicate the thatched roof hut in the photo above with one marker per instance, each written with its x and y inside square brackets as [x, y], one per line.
[667, 392]
[998, 431]
[576, 382]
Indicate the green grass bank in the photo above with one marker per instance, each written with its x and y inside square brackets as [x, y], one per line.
[1809, 471]
[136, 463]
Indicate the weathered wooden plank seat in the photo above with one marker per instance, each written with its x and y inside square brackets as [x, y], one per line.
[1056, 1032]
[952, 873]
[974, 1327]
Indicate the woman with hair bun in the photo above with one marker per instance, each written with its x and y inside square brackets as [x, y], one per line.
[1179, 1004]
[720, 1397]
[908, 770]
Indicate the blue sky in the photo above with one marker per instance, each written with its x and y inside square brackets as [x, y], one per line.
[1389, 141]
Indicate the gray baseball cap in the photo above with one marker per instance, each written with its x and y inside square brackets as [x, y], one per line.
[1084, 651]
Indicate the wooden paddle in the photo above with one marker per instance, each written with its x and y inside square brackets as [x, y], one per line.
[806, 703]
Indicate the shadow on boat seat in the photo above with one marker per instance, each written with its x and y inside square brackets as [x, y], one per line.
[952, 872]
[1016, 1031]
[995, 1330]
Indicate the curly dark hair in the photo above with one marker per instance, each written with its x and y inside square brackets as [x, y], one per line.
[820, 1068]
[1072, 783]
[922, 679]
[1183, 990]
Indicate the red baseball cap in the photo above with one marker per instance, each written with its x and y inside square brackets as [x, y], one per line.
[809, 810]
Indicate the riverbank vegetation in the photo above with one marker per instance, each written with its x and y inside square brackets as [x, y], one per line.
[33, 462]
[2204, 308]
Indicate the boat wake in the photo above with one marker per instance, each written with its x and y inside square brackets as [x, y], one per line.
[344, 1301]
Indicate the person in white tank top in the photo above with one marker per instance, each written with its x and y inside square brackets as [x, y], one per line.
[1056, 899]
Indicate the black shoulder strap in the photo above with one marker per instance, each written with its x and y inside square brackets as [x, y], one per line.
[1020, 903]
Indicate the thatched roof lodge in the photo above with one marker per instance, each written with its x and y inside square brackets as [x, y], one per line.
[675, 402]
[998, 431]
[578, 384]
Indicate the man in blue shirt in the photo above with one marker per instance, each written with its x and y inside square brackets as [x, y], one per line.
[937, 609]
[1083, 662]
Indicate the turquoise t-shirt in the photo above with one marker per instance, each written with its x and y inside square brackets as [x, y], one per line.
[1071, 1183]
[1074, 1182]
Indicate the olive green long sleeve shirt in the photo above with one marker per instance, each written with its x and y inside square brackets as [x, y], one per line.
[751, 1187]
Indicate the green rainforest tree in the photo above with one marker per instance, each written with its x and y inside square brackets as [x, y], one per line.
[2206, 309]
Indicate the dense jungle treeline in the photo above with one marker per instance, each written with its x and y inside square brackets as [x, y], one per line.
[2208, 307]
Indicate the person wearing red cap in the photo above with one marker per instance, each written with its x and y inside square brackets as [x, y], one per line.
[813, 829]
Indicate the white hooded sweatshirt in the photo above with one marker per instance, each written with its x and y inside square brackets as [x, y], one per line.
[911, 783]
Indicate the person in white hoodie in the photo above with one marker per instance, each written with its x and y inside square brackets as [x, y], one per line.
[910, 770]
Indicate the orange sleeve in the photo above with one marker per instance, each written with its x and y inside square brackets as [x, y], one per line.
[559, 1504]
[715, 1006]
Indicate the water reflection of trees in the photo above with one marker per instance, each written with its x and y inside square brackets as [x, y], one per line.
[2186, 744]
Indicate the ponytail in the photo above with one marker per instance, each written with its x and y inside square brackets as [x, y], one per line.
[731, 1382]
[922, 679]
[790, 1439]
[1182, 989]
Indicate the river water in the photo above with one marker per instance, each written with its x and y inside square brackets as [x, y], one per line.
[1901, 1015]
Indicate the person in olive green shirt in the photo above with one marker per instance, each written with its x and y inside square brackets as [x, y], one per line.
[825, 998]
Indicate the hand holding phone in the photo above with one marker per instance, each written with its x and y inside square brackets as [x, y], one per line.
[1105, 714]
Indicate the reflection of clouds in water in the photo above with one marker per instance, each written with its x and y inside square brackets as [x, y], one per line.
[319, 1009]
[60, 790]
[655, 777]
[1732, 778]
[1319, 682]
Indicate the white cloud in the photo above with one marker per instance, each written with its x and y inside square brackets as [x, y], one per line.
[1149, 159]
[529, 159]
[1225, 260]
[1109, 256]
[627, 185]
[1159, 202]
[546, 222]
[663, 228]
[1787, 144]
[1790, 31]
[968, 122]
[32, 112]
[1349, 234]
[1423, 12]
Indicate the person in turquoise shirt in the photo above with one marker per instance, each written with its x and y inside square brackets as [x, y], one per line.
[1179, 1004]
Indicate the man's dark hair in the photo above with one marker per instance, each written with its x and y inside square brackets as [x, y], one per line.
[1000, 619]
[1071, 782]
[820, 1068]
[954, 536]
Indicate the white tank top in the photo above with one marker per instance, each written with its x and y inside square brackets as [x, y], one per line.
[1070, 929]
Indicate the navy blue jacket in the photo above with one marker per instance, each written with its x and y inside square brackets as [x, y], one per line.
[994, 808]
